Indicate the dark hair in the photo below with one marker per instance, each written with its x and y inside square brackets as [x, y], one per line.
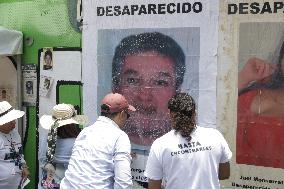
[144, 42]
[184, 106]
[68, 131]
[104, 111]
[277, 79]
[48, 53]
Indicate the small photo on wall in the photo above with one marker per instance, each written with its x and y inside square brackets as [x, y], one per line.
[6, 94]
[45, 85]
[29, 75]
[47, 59]
[29, 87]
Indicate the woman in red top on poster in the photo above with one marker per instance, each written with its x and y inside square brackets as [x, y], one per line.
[260, 131]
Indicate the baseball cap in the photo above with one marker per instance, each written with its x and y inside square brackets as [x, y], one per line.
[116, 103]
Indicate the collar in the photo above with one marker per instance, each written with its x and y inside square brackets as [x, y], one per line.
[107, 120]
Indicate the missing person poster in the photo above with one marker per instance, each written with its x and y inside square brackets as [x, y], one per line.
[148, 51]
[29, 73]
[250, 91]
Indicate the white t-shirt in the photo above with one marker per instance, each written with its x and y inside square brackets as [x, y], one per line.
[11, 160]
[193, 165]
[100, 158]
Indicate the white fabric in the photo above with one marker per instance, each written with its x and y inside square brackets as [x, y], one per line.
[10, 116]
[11, 42]
[46, 121]
[8, 113]
[100, 158]
[63, 150]
[193, 165]
[10, 172]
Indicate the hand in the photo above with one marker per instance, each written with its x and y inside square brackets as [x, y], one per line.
[255, 70]
[25, 173]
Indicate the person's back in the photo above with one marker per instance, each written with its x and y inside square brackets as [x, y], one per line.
[188, 157]
[92, 159]
[101, 153]
[192, 165]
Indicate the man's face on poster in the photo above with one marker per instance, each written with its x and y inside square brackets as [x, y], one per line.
[47, 60]
[147, 81]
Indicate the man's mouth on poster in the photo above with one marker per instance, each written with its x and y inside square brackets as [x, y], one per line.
[150, 111]
[146, 124]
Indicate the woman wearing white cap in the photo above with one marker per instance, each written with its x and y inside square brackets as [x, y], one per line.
[63, 128]
[12, 164]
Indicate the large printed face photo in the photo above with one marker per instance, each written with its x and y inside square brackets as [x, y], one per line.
[260, 126]
[148, 82]
[148, 68]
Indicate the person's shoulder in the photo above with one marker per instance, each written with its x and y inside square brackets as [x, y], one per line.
[165, 137]
[209, 131]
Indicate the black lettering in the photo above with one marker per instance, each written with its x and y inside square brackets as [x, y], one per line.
[232, 8]
[266, 8]
[100, 11]
[134, 8]
[178, 8]
[243, 8]
[254, 8]
[109, 11]
[198, 144]
[152, 9]
[161, 8]
[278, 5]
[142, 10]
[197, 7]
[180, 146]
[186, 7]
[169, 10]
[125, 10]
[185, 146]
[117, 10]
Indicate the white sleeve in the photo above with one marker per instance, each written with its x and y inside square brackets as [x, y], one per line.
[226, 152]
[122, 161]
[154, 169]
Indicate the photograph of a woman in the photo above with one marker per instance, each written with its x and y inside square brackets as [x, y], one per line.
[260, 128]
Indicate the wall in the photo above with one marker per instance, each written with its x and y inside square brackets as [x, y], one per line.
[47, 22]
